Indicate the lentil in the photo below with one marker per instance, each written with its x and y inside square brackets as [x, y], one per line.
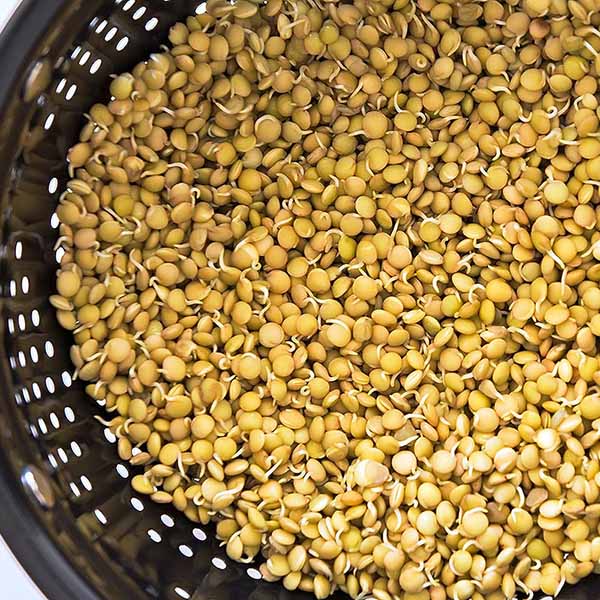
[335, 274]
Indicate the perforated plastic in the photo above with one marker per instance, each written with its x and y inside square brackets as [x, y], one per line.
[67, 509]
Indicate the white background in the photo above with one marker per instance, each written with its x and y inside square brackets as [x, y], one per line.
[16, 585]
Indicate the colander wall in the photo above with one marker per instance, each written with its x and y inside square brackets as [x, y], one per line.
[67, 509]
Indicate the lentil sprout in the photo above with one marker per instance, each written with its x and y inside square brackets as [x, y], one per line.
[333, 268]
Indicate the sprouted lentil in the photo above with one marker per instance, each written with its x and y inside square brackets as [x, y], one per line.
[333, 268]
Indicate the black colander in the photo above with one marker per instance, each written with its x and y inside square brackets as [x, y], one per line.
[66, 508]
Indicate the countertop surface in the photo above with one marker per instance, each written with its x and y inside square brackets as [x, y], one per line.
[16, 585]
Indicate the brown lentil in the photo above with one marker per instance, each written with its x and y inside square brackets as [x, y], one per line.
[335, 274]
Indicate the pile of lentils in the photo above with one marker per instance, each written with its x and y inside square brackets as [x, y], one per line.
[333, 271]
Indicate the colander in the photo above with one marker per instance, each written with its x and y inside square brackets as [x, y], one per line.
[66, 507]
